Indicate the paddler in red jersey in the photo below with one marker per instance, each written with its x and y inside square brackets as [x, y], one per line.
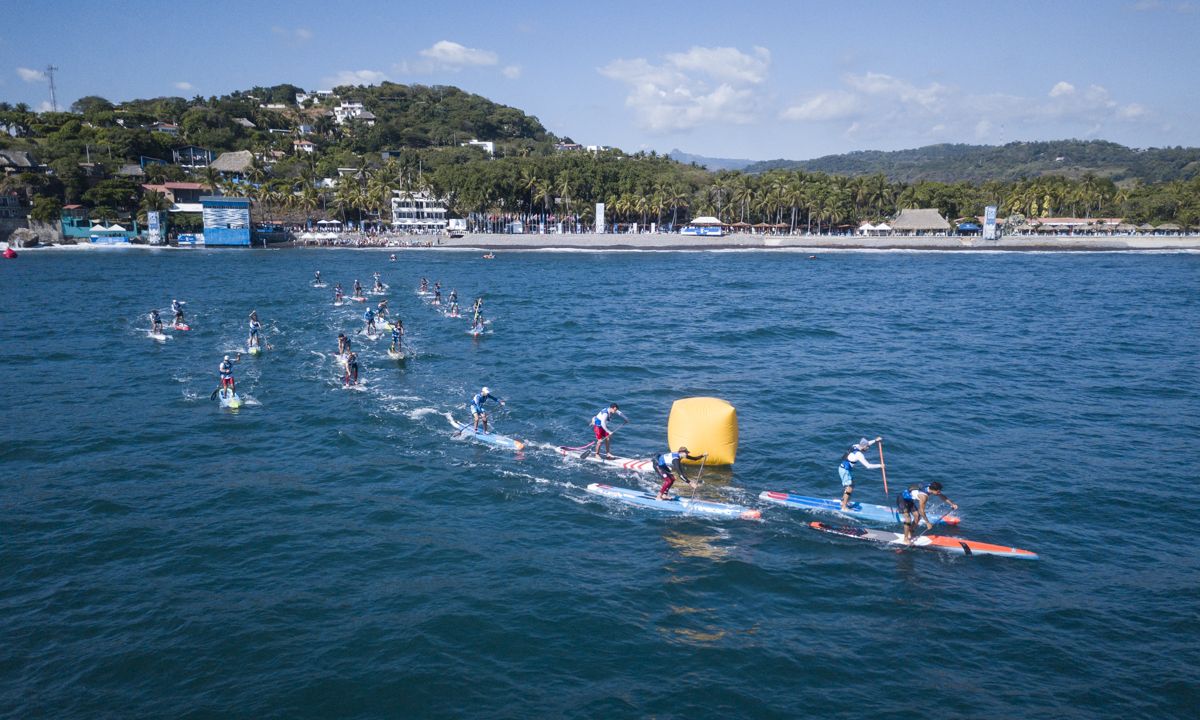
[911, 504]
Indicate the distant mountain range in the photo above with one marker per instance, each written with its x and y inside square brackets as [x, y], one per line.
[981, 163]
[711, 163]
[1016, 160]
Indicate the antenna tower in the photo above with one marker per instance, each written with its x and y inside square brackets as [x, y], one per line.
[50, 70]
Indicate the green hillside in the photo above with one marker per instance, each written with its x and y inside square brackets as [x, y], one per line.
[1014, 161]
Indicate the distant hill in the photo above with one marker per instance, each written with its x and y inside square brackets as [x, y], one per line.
[982, 163]
[711, 163]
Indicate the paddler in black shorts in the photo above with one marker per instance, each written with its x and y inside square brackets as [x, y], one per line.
[911, 504]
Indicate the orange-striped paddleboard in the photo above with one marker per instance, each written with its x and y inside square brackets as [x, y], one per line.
[958, 546]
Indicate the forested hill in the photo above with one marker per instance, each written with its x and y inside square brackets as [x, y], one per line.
[1014, 161]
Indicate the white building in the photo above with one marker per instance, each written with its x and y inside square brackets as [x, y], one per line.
[488, 146]
[417, 212]
[346, 111]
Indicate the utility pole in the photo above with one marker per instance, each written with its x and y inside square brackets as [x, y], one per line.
[50, 70]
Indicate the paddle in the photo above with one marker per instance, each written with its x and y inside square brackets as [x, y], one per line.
[594, 447]
[696, 486]
[882, 466]
[214, 394]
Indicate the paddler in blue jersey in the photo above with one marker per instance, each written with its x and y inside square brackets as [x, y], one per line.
[846, 466]
[603, 432]
[911, 504]
[255, 327]
[437, 296]
[477, 404]
[369, 317]
[669, 467]
[317, 278]
[155, 322]
[351, 376]
[357, 288]
[397, 334]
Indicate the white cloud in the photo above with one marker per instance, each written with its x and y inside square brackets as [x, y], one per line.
[183, 85]
[355, 77]
[1062, 88]
[512, 72]
[723, 63]
[451, 55]
[880, 109]
[45, 106]
[835, 105]
[717, 85]
[31, 76]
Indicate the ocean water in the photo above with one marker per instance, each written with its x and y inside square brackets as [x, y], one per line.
[326, 552]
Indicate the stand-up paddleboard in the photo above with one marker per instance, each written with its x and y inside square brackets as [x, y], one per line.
[618, 462]
[490, 438]
[160, 337]
[255, 350]
[371, 336]
[319, 285]
[338, 303]
[387, 326]
[184, 327]
[358, 298]
[395, 355]
[229, 399]
[675, 503]
[958, 546]
[858, 511]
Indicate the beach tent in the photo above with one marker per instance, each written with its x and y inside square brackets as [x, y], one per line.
[883, 228]
[866, 228]
[969, 227]
[116, 228]
[705, 220]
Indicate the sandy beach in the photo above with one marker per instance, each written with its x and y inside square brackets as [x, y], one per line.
[663, 241]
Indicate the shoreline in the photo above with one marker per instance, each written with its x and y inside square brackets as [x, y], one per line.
[662, 242]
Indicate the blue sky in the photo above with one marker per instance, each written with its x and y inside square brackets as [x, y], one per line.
[759, 80]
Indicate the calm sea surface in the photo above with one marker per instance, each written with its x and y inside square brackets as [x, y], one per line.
[332, 553]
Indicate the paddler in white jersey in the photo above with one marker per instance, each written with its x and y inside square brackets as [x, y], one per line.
[317, 278]
[846, 466]
[669, 467]
[911, 504]
[602, 431]
[226, 371]
[177, 308]
[155, 322]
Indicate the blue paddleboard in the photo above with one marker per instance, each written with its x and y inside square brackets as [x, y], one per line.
[861, 511]
[674, 503]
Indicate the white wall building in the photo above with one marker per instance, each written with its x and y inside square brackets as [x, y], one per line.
[346, 111]
[488, 146]
[417, 212]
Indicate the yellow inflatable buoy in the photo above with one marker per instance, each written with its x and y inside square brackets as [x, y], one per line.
[704, 425]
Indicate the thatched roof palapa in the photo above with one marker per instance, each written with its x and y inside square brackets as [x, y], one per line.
[920, 219]
[233, 162]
